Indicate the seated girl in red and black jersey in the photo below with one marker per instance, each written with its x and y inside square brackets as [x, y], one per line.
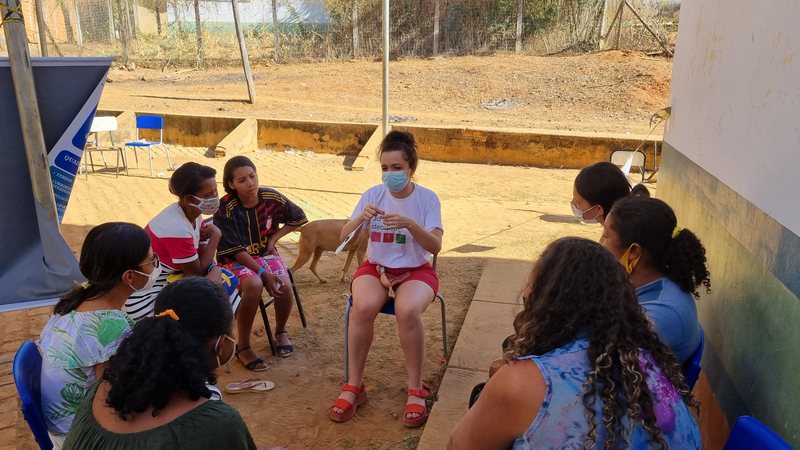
[250, 219]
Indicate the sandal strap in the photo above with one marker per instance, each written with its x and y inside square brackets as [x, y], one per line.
[241, 349]
[413, 408]
[342, 404]
[423, 392]
[353, 389]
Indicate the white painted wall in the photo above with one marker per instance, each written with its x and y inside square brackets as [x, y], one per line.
[736, 98]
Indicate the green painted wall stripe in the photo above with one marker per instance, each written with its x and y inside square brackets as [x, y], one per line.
[770, 242]
[752, 359]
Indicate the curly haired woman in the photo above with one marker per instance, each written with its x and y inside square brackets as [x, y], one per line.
[154, 393]
[585, 368]
[667, 265]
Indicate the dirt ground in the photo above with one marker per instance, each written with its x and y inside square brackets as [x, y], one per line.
[614, 91]
[488, 212]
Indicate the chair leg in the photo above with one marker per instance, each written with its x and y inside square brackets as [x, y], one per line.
[86, 165]
[297, 300]
[124, 152]
[347, 307]
[136, 155]
[444, 326]
[267, 328]
[116, 172]
[169, 160]
[150, 159]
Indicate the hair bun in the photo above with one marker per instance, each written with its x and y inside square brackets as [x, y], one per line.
[400, 136]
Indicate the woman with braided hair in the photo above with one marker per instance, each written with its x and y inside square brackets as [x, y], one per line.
[584, 369]
[667, 266]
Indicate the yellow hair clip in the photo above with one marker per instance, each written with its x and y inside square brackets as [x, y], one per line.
[168, 313]
[676, 232]
[86, 284]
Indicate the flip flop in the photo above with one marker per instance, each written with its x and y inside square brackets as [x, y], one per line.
[254, 364]
[254, 385]
[284, 350]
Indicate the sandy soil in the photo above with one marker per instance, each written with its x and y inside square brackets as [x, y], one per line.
[613, 91]
[488, 212]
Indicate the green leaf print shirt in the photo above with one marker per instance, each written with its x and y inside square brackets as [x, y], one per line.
[71, 346]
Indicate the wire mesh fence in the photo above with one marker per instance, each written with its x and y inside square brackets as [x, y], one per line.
[160, 33]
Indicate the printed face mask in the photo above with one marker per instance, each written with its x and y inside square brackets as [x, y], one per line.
[207, 206]
[216, 350]
[395, 180]
[151, 279]
[579, 214]
[629, 264]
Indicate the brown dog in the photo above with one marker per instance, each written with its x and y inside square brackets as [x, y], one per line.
[323, 235]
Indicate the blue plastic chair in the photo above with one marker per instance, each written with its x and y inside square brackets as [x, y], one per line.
[388, 308]
[27, 370]
[748, 434]
[148, 123]
[691, 368]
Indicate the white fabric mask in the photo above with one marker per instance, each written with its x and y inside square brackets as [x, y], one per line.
[579, 214]
[151, 279]
[207, 206]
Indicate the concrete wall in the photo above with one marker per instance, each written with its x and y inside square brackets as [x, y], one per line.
[552, 149]
[729, 168]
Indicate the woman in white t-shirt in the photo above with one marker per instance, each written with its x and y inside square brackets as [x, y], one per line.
[404, 222]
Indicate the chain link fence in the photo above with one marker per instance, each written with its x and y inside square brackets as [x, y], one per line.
[201, 33]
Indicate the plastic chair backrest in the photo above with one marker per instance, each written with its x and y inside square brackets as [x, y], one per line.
[100, 124]
[27, 371]
[748, 433]
[150, 122]
[691, 368]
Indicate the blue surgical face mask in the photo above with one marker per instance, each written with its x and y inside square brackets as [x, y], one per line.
[395, 180]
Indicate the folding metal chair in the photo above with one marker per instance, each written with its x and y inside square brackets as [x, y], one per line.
[263, 305]
[388, 308]
[627, 159]
[103, 124]
[148, 123]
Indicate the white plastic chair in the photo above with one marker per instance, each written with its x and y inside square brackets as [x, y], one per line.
[626, 159]
[102, 124]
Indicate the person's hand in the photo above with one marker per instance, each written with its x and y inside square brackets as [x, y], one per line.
[369, 212]
[396, 221]
[272, 284]
[208, 231]
[215, 275]
[271, 243]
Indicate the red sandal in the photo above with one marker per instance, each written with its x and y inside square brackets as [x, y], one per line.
[348, 409]
[413, 408]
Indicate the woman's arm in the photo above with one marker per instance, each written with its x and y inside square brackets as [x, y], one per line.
[366, 215]
[506, 408]
[282, 231]
[431, 241]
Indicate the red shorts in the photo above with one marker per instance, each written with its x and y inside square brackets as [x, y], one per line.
[424, 273]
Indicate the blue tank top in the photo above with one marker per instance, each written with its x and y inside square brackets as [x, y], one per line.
[562, 422]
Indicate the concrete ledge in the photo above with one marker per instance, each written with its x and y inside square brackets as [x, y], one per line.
[505, 289]
[538, 148]
[489, 320]
[243, 139]
[454, 401]
[482, 333]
